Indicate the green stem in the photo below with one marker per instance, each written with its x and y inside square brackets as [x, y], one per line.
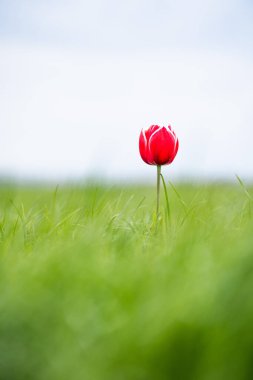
[158, 189]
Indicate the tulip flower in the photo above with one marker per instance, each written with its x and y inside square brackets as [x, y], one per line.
[158, 146]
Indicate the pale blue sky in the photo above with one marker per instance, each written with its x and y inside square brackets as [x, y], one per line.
[79, 79]
[131, 24]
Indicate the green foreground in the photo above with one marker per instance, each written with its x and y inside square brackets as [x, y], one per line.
[91, 287]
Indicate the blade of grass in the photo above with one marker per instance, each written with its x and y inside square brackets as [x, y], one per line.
[179, 198]
[244, 188]
[167, 199]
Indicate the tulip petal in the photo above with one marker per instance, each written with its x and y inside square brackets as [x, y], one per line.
[175, 151]
[148, 132]
[145, 152]
[144, 149]
[162, 144]
[143, 146]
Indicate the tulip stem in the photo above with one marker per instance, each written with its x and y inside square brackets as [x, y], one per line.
[158, 189]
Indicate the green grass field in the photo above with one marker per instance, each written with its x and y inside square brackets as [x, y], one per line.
[92, 288]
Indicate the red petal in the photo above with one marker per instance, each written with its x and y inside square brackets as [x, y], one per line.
[145, 152]
[144, 149]
[162, 146]
[175, 151]
[148, 132]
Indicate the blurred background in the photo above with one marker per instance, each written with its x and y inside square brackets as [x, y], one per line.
[79, 79]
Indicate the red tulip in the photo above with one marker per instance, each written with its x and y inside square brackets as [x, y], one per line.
[158, 145]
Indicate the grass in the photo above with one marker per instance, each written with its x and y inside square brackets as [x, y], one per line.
[91, 288]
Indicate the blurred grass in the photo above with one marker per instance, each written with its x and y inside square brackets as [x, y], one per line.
[92, 289]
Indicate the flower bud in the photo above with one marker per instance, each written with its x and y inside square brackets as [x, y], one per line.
[158, 145]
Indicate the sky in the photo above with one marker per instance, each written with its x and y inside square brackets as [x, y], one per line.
[79, 79]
